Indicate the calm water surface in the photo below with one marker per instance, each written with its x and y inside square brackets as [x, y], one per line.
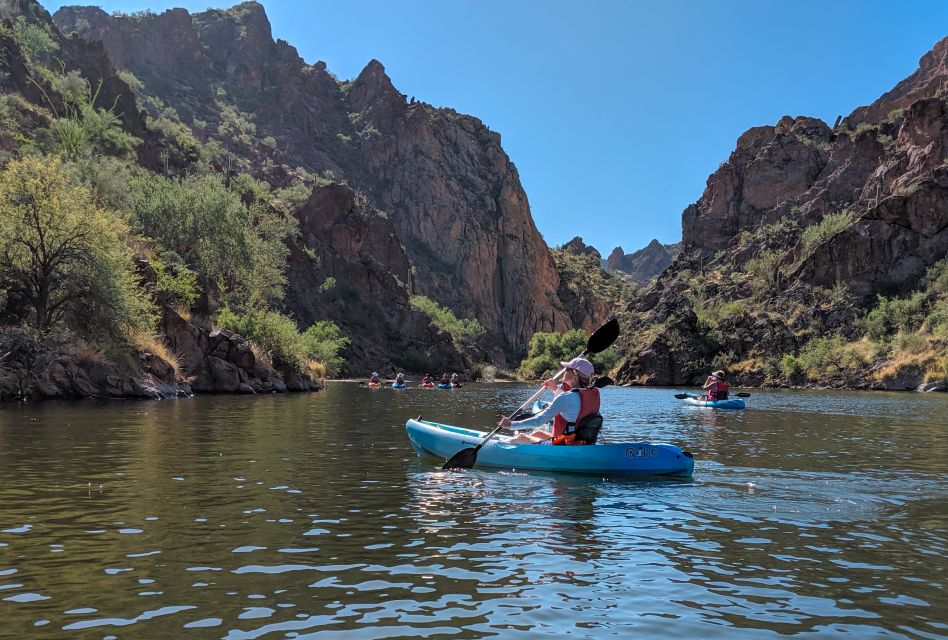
[816, 514]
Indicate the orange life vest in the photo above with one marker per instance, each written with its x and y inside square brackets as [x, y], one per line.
[718, 391]
[563, 430]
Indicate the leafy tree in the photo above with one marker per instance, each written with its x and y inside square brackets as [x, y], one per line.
[216, 235]
[63, 255]
[547, 350]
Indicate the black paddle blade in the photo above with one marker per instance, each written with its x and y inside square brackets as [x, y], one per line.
[681, 396]
[603, 337]
[463, 459]
[603, 381]
[743, 395]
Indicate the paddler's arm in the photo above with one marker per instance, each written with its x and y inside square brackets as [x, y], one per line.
[559, 404]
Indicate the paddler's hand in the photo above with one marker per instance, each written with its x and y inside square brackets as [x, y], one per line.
[504, 422]
[551, 384]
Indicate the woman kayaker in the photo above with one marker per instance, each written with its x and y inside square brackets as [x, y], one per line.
[455, 381]
[400, 379]
[574, 401]
[444, 379]
[716, 386]
[427, 381]
[375, 378]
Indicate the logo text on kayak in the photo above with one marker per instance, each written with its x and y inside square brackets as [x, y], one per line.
[640, 452]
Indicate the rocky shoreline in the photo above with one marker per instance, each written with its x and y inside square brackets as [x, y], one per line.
[207, 361]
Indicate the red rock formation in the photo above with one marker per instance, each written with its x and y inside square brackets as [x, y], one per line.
[452, 194]
[883, 169]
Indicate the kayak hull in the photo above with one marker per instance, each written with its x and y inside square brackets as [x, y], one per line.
[444, 386]
[627, 459]
[399, 386]
[730, 403]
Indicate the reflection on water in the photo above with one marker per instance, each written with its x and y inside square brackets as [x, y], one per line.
[310, 516]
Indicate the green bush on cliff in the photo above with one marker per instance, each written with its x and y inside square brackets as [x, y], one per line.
[582, 272]
[289, 349]
[891, 315]
[829, 226]
[224, 241]
[464, 331]
[35, 41]
[547, 350]
[64, 256]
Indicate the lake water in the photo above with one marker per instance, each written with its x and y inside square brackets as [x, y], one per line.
[310, 516]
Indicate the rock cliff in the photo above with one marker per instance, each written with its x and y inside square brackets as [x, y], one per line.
[797, 233]
[644, 264]
[452, 195]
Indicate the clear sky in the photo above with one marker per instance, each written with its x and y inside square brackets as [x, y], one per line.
[614, 111]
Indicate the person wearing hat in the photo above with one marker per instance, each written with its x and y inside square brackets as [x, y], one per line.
[575, 400]
[375, 378]
[716, 386]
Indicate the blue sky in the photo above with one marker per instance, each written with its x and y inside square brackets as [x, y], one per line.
[615, 112]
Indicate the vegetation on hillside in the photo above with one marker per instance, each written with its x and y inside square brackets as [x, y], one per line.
[547, 350]
[92, 243]
[583, 274]
[464, 331]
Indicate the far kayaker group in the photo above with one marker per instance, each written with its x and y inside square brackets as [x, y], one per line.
[427, 382]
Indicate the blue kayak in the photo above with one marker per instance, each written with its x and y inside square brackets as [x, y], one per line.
[730, 403]
[395, 385]
[445, 386]
[627, 459]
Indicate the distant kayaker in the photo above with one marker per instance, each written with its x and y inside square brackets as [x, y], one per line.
[400, 378]
[455, 380]
[575, 400]
[375, 378]
[716, 386]
[444, 379]
[427, 380]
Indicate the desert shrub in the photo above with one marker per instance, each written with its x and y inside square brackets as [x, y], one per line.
[911, 343]
[288, 348]
[765, 272]
[476, 371]
[35, 41]
[464, 331]
[322, 342]
[829, 226]
[893, 314]
[176, 281]
[328, 284]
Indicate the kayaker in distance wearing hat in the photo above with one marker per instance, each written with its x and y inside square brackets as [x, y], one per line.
[716, 386]
[576, 400]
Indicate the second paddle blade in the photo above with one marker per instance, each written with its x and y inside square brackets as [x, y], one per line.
[463, 459]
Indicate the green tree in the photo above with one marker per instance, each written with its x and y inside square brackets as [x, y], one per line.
[216, 235]
[547, 350]
[63, 254]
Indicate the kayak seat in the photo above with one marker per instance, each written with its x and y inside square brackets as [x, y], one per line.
[588, 429]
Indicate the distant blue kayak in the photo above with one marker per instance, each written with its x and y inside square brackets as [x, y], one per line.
[628, 459]
[444, 386]
[730, 403]
[395, 385]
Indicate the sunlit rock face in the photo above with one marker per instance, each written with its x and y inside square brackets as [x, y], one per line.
[452, 195]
